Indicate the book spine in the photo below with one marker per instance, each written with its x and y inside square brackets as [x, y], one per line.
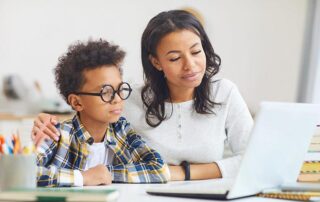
[299, 197]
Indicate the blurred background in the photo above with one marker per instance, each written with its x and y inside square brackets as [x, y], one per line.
[269, 48]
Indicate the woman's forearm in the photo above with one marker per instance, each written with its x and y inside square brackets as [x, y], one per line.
[197, 172]
[205, 171]
[177, 173]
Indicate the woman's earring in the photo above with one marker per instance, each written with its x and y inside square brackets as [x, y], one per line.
[164, 75]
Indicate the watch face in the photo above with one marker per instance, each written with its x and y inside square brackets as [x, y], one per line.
[186, 168]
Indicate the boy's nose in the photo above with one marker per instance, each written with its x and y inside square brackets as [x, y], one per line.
[116, 98]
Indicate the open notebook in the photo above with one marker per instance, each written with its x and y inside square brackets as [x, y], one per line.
[274, 155]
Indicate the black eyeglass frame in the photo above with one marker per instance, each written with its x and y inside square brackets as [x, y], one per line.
[113, 94]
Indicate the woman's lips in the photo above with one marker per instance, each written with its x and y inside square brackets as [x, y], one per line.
[191, 77]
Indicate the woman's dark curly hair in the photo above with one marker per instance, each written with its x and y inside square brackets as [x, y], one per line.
[155, 90]
[84, 56]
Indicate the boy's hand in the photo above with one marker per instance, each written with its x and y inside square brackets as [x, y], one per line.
[44, 128]
[98, 175]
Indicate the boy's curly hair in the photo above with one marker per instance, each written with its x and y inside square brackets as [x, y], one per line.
[84, 56]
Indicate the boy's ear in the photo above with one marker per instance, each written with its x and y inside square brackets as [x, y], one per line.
[75, 102]
[155, 62]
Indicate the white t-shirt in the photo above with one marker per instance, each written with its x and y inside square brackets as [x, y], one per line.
[98, 154]
[198, 138]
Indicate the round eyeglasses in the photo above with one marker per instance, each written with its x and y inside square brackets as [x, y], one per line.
[107, 92]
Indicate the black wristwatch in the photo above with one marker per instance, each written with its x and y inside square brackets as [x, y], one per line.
[186, 167]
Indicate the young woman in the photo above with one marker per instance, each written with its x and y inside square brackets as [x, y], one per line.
[184, 113]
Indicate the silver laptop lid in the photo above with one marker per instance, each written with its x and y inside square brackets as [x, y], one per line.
[275, 152]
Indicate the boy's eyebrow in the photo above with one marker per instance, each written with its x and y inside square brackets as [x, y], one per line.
[102, 85]
[176, 51]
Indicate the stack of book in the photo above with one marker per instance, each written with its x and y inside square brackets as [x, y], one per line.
[293, 195]
[310, 171]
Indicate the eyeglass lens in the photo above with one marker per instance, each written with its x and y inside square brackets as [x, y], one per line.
[108, 92]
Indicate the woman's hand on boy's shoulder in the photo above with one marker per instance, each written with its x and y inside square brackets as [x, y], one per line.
[44, 128]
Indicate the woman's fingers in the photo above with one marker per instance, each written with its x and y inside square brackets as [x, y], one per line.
[46, 129]
[50, 127]
[37, 135]
[33, 134]
[54, 120]
[48, 132]
[49, 120]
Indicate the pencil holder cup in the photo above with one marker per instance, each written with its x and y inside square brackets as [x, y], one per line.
[18, 172]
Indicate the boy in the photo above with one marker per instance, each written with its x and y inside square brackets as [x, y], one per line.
[97, 146]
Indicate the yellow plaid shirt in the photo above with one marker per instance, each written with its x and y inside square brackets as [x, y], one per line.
[133, 162]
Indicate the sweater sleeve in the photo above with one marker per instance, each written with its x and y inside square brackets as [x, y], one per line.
[238, 127]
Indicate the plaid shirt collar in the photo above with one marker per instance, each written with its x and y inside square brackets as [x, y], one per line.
[84, 136]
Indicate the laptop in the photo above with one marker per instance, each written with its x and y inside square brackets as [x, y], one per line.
[274, 155]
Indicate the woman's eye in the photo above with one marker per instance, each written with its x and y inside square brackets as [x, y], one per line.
[196, 52]
[174, 59]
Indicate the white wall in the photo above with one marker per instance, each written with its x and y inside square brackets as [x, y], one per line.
[309, 89]
[259, 41]
[316, 53]
[316, 91]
